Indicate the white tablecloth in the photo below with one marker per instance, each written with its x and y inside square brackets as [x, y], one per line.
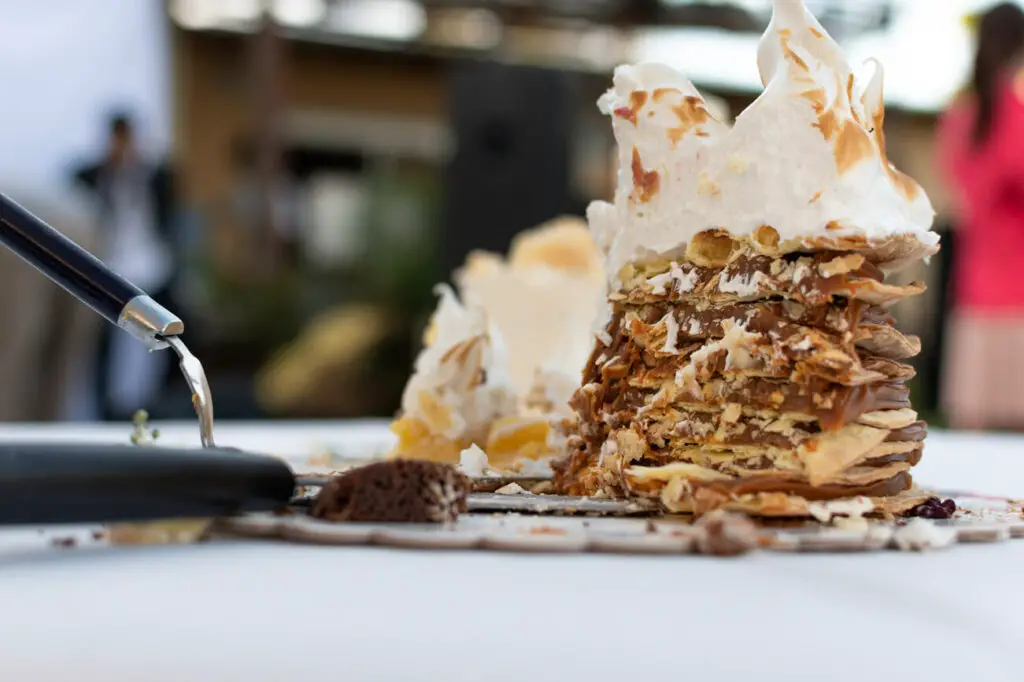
[269, 611]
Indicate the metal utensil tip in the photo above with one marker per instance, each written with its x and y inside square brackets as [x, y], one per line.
[195, 376]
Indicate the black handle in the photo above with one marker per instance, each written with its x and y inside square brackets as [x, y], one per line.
[65, 262]
[59, 483]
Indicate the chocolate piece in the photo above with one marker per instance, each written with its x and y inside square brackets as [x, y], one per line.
[933, 508]
[394, 491]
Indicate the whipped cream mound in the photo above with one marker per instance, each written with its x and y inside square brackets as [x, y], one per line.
[473, 461]
[545, 300]
[847, 514]
[806, 158]
[460, 383]
[541, 468]
[921, 535]
[500, 366]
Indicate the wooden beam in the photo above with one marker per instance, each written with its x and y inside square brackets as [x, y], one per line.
[267, 89]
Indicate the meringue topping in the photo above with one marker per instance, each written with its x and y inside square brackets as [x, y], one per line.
[499, 366]
[807, 157]
[460, 383]
[544, 300]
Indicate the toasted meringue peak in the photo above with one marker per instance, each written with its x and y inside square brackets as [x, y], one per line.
[460, 382]
[561, 244]
[806, 158]
[544, 300]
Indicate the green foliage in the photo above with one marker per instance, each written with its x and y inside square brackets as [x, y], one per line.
[403, 226]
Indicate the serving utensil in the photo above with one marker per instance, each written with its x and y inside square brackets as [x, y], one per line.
[119, 301]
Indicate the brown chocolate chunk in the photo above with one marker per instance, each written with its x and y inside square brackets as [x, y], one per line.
[394, 491]
[933, 508]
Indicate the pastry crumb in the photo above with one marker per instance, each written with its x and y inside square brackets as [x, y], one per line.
[511, 489]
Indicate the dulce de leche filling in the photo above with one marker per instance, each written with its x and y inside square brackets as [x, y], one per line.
[832, 405]
[780, 484]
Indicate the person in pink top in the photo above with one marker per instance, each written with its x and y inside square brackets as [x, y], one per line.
[981, 152]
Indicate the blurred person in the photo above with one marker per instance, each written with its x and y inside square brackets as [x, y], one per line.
[134, 222]
[981, 152]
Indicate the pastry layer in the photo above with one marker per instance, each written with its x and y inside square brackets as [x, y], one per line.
[814, 279]
[767, 376]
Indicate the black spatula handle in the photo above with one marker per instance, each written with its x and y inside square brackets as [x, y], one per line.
[86, 277]
[43, 483]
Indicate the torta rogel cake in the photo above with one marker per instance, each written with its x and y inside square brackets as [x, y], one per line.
[749, 361]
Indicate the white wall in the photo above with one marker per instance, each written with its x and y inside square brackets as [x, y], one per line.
[64, 64]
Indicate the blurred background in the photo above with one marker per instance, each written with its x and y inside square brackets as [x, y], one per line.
[288, 162]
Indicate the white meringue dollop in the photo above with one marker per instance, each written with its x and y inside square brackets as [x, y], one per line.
[807, 157]
[460, 384]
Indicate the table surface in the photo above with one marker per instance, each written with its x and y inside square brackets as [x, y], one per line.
[253, 610]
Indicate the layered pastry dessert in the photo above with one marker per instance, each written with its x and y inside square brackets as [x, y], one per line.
[503, 355]
[749, 361]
